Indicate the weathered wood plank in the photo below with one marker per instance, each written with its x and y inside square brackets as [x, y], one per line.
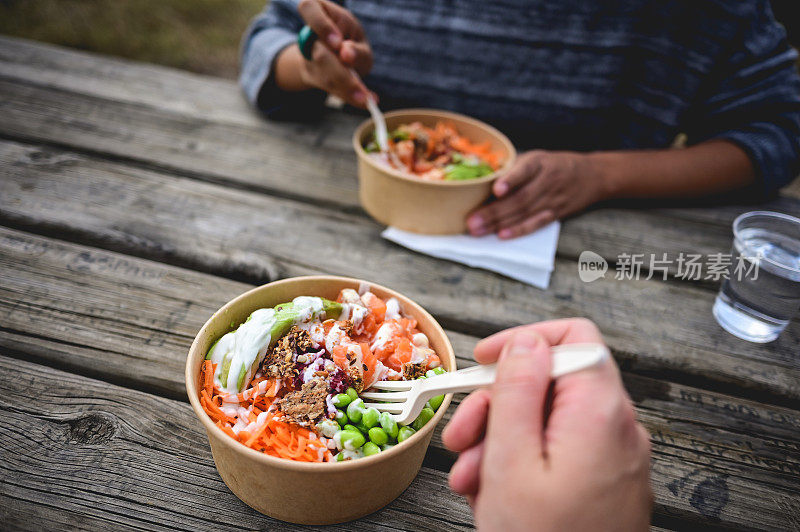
[267, 156]
[313, 162]
[91, 455]
[755, 447]
[123, 80]
[656, 328]
[133, 322]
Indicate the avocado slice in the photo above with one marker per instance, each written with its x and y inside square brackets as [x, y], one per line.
[286, 315]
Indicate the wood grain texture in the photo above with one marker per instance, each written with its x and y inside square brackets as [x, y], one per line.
[123, 80]
[143, 114]
[698, 436]
[657, 328]
[267, 156]
[91, 455]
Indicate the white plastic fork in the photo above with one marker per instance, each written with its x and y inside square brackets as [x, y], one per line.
[406, 399]
[381, 133]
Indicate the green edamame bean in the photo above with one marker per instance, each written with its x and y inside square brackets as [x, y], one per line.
[351, 439]
[352, 393]
[341, 400]
[351, 428]
[341, 418]
[355, 410]
[362, 428]
[389, 425]
[424, 417]
[435, 371]
[404, 433]
[378, 436]
[370, 417]
[370, 449]
[340, 457]
[436, 402]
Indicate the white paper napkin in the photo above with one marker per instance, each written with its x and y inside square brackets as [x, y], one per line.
[529, 258]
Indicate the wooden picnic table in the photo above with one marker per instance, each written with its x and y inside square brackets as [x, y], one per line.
[135, 200]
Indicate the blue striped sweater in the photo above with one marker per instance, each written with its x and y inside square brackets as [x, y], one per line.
[571, 74]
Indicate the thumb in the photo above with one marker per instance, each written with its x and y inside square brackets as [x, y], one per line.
[523, 170]
[520, 391]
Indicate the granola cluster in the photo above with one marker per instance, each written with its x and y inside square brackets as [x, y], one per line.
[412, 370]
[280, 361]
[306, 406]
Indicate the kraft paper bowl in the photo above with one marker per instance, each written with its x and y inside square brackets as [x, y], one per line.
[402, 200]
[312, 493]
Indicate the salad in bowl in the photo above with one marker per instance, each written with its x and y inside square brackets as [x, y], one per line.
[438, 168]
[437, 153]
[286, 382]
[274, 377]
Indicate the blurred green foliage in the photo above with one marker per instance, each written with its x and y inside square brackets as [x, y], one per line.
[198, 35]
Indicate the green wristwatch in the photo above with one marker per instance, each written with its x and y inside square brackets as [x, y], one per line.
[305, 40]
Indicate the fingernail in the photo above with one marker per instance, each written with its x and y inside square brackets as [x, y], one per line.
[521, 344]
[359, 97]
[500, 189]
[334, 39]
[475, 223]
[505, 233]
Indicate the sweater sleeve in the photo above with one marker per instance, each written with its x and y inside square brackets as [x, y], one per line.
[755, 101]
[268, 34]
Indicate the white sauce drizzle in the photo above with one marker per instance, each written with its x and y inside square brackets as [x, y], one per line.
[420, 340]
[330, 404]
[247, 346]
[392, 309]
[384, 333]
[315, 331]
[357, 315]
[308, 373]
[328, 428]
[419, 354]
[334, 337]
[353, 455]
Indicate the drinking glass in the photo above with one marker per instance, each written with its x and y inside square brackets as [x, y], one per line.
[762, 291]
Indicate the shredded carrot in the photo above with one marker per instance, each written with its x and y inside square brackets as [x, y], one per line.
[425, 151]
[208, 383]
[272, 437]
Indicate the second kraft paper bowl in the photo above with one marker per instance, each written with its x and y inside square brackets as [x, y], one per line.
[312, 493]
[406, 202]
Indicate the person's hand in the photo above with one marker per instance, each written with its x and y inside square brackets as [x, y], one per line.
[536, 456]
[340, 47]
[542, 186]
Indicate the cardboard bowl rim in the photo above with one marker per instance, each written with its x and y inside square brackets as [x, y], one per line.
[364, 156]
[192, 389]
